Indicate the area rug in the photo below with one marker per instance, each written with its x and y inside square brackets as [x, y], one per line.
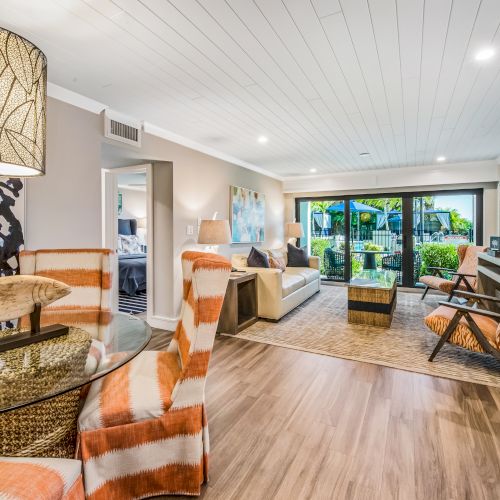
[320, 326]
[133, 304]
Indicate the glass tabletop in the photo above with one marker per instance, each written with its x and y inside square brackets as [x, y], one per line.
[40, 371]
[370, 278]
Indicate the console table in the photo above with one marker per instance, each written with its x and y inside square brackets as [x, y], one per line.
[239, 309]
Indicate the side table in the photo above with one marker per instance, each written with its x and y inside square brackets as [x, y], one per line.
[239, 309]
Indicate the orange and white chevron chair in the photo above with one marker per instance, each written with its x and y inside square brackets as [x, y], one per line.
[143, 429]
[40, 479]
[88, 273]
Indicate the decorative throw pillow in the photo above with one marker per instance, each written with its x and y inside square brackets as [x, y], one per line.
[279, 253]
[297, 257]
[130, 244]
[277, 263]
[257, 258]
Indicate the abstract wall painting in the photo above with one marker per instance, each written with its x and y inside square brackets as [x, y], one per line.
[12, 198]
[248, 215]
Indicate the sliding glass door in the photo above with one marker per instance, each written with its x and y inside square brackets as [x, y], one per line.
[440, 223]
[405, 233]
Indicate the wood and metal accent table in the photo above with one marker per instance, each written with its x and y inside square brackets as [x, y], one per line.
[239, 309]
[372, 298]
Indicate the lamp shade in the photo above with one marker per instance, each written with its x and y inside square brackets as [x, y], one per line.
[23, 97]
[214, 232]
[294, 230]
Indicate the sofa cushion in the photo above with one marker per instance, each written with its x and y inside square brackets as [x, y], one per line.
[292, 282]
[308, 273]
[257, 258]
[297, 257]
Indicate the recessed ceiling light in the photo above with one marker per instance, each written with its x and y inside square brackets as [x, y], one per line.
[440, 159]
[485, 54]
[313, 170]
[262, 139]
[364, 154]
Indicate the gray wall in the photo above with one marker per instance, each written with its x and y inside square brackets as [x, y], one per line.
[64, 207]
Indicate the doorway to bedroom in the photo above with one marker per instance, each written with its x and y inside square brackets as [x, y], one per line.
[127, 222]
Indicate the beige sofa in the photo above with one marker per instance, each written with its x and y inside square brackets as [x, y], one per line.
[281, 291]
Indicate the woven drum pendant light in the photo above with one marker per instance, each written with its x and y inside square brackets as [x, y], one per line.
[23, 96]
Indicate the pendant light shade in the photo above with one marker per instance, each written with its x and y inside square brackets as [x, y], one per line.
[23, 96]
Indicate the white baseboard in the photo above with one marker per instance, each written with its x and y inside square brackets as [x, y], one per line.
[163, 323]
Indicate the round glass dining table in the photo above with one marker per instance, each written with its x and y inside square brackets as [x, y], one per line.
[27, 375]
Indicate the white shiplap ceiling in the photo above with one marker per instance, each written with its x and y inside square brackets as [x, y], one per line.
[324, 80]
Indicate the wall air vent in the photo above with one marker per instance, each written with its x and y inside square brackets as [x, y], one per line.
[122, 128]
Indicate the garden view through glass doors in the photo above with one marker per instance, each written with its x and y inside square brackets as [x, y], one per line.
[377, 237]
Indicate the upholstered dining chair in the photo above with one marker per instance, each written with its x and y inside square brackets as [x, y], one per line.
[472, 326]
[88, 273]
[143, 429]
[40, 478]
[464, 278]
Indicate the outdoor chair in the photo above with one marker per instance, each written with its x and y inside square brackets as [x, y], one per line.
[462, 279]
[394, 262]
[471, 326]
[334, 263]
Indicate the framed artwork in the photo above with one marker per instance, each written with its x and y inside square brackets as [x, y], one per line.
[12, 215]
[120, 203]
[248, 215]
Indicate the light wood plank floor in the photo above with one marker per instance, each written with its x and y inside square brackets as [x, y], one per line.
[287, 424]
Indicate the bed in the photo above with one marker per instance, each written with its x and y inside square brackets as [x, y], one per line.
[131, 266]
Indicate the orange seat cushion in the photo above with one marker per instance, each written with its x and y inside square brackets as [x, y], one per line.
[442, 284]
[439, 319]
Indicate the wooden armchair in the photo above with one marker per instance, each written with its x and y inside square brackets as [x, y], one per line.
[464, 278]
[471, 326]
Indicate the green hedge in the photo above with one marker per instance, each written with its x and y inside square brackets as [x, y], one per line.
[438, 255]
[318, 247]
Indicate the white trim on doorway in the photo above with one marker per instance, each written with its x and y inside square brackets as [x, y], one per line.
[110, 229]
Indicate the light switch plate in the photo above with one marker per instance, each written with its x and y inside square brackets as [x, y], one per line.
[189, 230]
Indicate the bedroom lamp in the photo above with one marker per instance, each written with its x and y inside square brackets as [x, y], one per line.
[23, 97]
[293, 230]
[214, 233]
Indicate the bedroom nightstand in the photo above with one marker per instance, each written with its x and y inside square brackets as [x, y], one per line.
[239, 309]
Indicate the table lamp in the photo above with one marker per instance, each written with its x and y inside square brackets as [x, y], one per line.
[293, 230]
[214, 233]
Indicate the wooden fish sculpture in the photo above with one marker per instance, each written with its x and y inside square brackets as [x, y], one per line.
[19, 294]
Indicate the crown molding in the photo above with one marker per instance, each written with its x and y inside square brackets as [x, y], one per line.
[75, 99]
[96, 107]
[151, 129]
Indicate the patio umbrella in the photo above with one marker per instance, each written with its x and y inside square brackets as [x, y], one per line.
[355, 206]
